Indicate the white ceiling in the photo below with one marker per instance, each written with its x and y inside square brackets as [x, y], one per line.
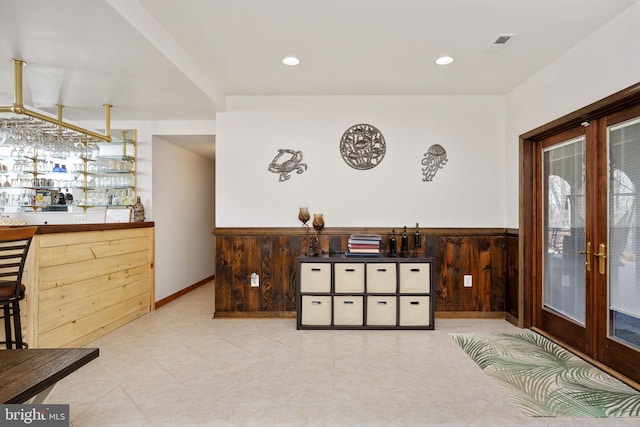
[177, 60]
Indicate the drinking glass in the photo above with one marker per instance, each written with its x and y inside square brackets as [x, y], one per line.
[4, 133]
[11, 138]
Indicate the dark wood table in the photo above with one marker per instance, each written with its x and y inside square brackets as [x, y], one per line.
[29, 372]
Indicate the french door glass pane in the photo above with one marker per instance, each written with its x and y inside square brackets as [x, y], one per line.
[624, 287]
[564, 224]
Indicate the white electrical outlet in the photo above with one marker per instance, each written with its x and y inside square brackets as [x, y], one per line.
[468, 281]
[255, 280]
[79, 219]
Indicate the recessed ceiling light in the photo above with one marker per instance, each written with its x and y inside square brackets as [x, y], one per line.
[290, 60]
[444, 60]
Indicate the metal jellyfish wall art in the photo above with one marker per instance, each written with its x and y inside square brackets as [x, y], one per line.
[285, 162]
[434, 159]
[362, 146]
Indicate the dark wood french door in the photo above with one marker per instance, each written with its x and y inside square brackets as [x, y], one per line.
[587, 231]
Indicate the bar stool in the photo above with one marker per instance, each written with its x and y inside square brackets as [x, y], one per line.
[14, 246]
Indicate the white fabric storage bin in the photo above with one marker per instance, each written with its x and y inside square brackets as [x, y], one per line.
[415, 277]
[348, 277]
[415, 311]
[381, 278]
[316, 310]
[315, 277]
[347, 310]
[381, 310]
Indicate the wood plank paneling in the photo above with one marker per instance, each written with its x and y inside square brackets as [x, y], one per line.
[74, 310]
[272, 253]
[106, 328]
[76, 252]
[72, 239]
[84, 281]
[77, 330]
[89, 283]
[511, 298]
[455, 256]
[77, 291]
[64, 274]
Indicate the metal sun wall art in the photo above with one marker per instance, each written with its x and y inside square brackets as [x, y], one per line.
[284, 166]
[362, 146]
[434, 159]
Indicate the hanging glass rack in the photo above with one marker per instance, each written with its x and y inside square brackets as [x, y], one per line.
[36, 127]
[32, 140]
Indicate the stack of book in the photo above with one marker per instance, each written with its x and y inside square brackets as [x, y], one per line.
[364, 245]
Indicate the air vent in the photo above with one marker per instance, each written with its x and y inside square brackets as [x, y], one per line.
[500, 42]
[502, 39]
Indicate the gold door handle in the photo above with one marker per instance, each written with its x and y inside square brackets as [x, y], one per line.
[587, 259]
[603, 256]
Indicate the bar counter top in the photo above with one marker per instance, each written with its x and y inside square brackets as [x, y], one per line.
[73, 228]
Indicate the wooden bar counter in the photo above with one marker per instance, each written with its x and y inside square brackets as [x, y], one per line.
[85, 280]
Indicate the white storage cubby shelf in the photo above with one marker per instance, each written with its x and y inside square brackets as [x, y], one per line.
[364, 293]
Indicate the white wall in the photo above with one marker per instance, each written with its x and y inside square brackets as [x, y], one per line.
[477, 188]
[604, 63]
[183, 194]
[176, 188]
[467, 192]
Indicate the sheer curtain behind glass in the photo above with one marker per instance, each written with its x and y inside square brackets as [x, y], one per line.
[624, 176]
[564, 221]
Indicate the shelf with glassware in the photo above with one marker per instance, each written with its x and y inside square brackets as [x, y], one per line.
[95, 175]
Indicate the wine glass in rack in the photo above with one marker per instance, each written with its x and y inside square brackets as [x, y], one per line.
[4, 133]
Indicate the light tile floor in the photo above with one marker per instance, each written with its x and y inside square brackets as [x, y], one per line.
[179, 367]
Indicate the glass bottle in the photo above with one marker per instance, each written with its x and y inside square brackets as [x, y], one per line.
[59, 198]
[138, 211]
[404, 245]
[393, 244]
[417, 239]
[68, 197]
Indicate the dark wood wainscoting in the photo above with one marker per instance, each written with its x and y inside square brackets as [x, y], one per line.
[489, 255]
[512, 296]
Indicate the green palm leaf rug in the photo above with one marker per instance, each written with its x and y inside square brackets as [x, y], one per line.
[545, 380]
